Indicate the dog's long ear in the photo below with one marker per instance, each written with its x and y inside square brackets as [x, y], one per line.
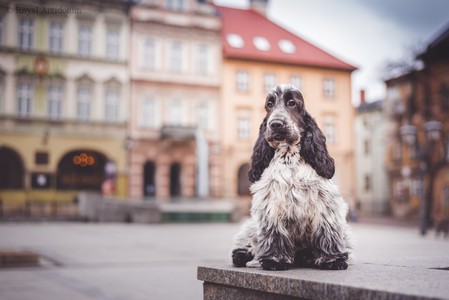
[314, 150]
[262, 155]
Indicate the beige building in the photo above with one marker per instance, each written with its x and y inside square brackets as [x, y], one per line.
[175, 72]
[259, 54]
[63, 103]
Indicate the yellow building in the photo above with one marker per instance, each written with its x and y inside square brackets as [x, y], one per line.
[63, 104]
[258, 55]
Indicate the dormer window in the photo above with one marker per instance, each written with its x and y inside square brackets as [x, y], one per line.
[235, 40]
[287, 46]
[261, 43]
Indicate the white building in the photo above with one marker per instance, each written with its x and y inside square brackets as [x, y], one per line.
[372, 190]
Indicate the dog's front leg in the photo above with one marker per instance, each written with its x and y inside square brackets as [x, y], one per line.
[275, 249]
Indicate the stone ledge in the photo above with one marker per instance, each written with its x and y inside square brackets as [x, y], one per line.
[360, 281]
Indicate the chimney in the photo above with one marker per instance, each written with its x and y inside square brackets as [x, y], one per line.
[362, 97]
[259, 6]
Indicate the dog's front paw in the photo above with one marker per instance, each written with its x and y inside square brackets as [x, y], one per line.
[274, 265]
[334, 265]
[338, 263]
[240, 257]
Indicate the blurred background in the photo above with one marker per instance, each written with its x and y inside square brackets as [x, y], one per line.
[160, 101]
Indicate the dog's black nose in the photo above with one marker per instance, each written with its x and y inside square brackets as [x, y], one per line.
[277, 125]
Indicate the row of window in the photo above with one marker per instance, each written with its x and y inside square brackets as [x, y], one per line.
[27, 32]
[177, 113]
[55, 96]
[152, 51]
[244, 127]
[269, 82]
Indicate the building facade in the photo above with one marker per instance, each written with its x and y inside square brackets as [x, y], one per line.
[371, 124]
[418, 106]
[175, 72]
[259, 54]
[63, 98]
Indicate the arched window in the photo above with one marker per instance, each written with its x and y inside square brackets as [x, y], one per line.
[81, 170]
[149, 176]
[175, 180]
[243, 182]
[12, 169]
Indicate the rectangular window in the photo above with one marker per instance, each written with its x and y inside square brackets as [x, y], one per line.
[83, 103]
[202, 115]
[176, 57]
[111, 105]
[149, 54]
[296, 81]
[244, 128]
[367, 147]
[329, 129]
[367, 183]
[176, 5]
[329, 88]
[41, 158]
[269, 82]
[55, 38]
[26, 32]
[84, 40]
[176, 113]
[112, 44]
[202, 60]
[24, 96]
[149, 113]
[54, 101]
[242, 81]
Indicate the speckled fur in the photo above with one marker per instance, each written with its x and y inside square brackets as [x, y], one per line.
[297, 218]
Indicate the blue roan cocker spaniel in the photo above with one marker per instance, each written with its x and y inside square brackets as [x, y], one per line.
[298, 217]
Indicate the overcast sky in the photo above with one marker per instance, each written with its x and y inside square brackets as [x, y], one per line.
[365, 33]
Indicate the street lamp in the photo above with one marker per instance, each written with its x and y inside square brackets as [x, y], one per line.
[428, 166]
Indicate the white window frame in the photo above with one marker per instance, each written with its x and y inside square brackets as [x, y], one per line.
[26, 33]
[202, 59]
[202, 115]
[85, 40]
[84, 102]
[176, 5]
[329, 87]
[55, 36]
[149, 53]
[269, 81]
[296, 81]
[54, 104]
[242, 80]
[112, 43]
[243, 128]
[330, 129]
[176, 57]
[176, 112]
[149, 113]
[24, 99]
[111, 104]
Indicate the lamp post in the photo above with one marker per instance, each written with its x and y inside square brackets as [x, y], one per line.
[428, 165]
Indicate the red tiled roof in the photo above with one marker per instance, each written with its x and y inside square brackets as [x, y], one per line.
[249, 24]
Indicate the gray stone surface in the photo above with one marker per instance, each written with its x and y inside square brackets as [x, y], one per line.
[159, 261]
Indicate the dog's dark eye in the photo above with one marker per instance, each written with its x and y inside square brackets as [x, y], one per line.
[291, 103]
[270, 104]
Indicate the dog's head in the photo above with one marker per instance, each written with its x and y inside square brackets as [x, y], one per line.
[287, 121]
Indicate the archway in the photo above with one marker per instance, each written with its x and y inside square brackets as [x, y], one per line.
[243, 182]
[175, 180]
[12, 172]
[81, 170]
[149, 182]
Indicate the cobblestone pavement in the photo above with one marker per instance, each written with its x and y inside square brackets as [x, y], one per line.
[132, 261]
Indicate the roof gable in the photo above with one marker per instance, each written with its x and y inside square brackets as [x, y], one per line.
[263, 40]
